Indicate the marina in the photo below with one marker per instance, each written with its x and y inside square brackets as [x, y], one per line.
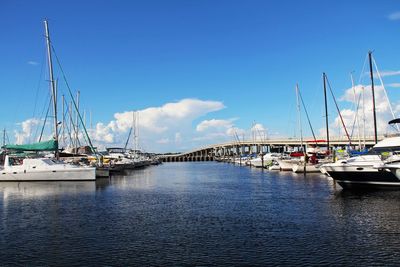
[199, 133]
[197, 213]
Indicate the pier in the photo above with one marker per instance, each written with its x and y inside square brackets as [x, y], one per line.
[231, 149]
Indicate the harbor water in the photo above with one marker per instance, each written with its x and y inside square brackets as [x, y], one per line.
[202, 213]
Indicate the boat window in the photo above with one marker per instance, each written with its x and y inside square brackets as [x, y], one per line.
[380, 150]
[49, 161]
[15, 161]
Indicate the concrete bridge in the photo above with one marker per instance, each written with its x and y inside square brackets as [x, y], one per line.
[232, 149]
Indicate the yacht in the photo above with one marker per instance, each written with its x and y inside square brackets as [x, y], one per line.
[373, 170]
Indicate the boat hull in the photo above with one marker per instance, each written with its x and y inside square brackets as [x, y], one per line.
[78, 174]
[299, 168]
[353, 177]
[286, 164]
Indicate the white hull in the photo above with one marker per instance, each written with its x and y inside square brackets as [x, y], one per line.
[274, 168]
[259, 164]
[42, 169]
[286, 164]
[299, 168]
[267, 159]
[80, 174]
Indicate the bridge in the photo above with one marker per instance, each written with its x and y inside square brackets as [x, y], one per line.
[233, 149]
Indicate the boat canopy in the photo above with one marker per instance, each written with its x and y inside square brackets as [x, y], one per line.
[50, 145]
[394, 121]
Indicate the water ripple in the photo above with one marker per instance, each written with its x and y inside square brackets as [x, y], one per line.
[203, 214]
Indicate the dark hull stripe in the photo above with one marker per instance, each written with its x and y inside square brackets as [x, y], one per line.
[373, 179]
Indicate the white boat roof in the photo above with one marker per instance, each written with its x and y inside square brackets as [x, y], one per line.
[389, 142]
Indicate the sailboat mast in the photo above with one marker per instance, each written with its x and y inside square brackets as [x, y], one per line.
[363, 110]
[77, 120]
[356, 103]
[52, 86]
[299, 114]
[326, 112]
[63, 122]
[4, 137]
[373, 96]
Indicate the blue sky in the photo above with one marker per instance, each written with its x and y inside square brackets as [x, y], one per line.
[245, 55]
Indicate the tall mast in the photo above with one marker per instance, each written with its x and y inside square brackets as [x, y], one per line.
[356, 103]
[373, 95]
[63, 122]
[363, 110]
[4, 137]
[52, 86]
[71, 137]
[77, 120]
[326, 112]
[299, 114]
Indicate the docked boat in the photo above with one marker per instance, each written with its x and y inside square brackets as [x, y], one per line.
[287, 164]
[264, 160]
[373, 170]
[43, 169]
[308, 168]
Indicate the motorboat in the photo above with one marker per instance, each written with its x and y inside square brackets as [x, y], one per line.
[373, 170]
[264, 160]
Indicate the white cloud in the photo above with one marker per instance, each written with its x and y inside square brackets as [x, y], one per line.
[27, 131]
[163, 141]
[236, 133]
[258, 132]
[394, 16]
[214, 124]
[395, 85]
[33, 63]
[387, 73]
[383, 113]
[157, 125]
[178, 138]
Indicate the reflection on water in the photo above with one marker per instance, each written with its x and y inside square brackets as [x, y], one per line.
[198, 214]
[43, 189]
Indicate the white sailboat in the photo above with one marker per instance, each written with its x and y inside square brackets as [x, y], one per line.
[44, 169]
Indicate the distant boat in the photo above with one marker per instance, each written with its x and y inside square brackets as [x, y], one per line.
[264, 160]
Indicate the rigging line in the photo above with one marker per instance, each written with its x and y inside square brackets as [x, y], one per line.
[308, 118]
[337, 107]
[8, 139]
[127, 140]
[67, 111]
[73, 125]
[45, 120]
[384, 90]
[38, 85]
[356, 115]
[42, 114]
[362, 74]
[73, 101]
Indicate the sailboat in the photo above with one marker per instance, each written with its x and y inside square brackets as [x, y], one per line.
[301, 166]
[43, 169]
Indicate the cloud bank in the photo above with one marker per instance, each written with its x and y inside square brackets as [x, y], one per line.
[360, 120]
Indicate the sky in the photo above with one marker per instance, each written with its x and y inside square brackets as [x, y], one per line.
[198, 72]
